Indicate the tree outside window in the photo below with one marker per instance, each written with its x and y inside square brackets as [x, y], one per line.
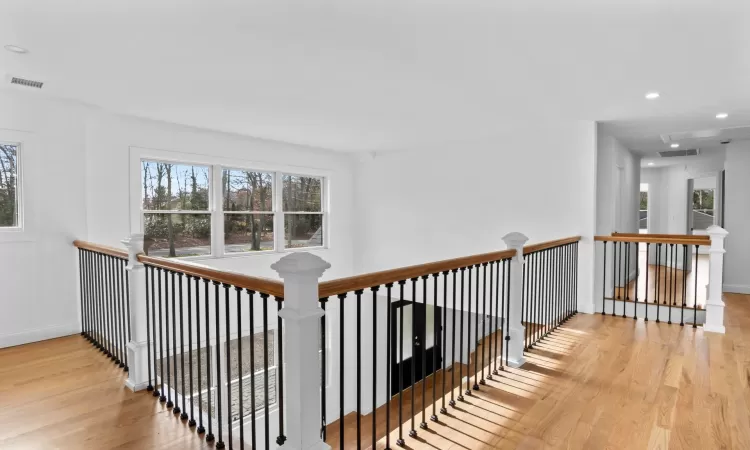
[703, 208]
[9, 185]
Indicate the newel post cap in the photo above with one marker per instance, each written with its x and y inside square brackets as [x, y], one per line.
[715, 230]
[134, 244]
[515, 239]
[301, 263]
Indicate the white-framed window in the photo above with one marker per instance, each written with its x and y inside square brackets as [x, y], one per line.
[197, 210]
[10, 186]
[176, 208]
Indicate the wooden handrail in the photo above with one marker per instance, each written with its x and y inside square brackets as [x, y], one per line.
[257, 284]
[549, 244]
[666, 236]
[645, 239]
[111, 251]
[355, 283]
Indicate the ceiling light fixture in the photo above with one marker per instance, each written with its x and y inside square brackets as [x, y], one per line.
[652, 95]
[15, 49]
[650, 164]
[722, 116]
[675, 145]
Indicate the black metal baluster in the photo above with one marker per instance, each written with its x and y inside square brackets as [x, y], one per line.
[400, 441]
[484, 317]
[81, 291]
[616, 292]
[155, 392]
[342, 338]
[110, 292]
[267, 421]
[575, 279]
[413, 431]
[119, 354]
[435, 340]
[176, 409]
[127, 304]
[525, 301]
[388, 371]
[670, 282]
[443, 334]
[493, 322]
[122, 314]
[695, 303]
[240, 373]
[684, 284]
[184, 415]
[206, 284]
[476, 331]
[200, 429]
[189, 278]
[149, 342]
[461, 341]
[604, 277]
[657, 280]
[497, 315]
[452, 402]
[645, 300]
[468, 339]
[85, 305]
[507, 315]
[163, 397]
[101, 302]
[280, 382]
[219, 412]
[228, 357]
[637, 276]
[358, 293]
[627, 276]
[423, 424]
[166, 338]
[541, 289]
[374, 433]
[323, 367]
[251, 308]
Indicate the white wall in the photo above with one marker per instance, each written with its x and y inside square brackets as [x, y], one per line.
[456, 200]
[76, 176]
[737, 218]
[618, 186]
[38, 277]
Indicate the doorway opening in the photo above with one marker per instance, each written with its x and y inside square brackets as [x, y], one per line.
[420, 337]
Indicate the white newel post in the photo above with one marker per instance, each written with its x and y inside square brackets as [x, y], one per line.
[301, 313]
[137, 359]
[515, 345]
[715, 303]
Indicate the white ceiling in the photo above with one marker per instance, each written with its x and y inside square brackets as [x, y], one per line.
[388, 74]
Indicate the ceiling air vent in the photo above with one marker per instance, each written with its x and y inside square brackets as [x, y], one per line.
[27, 83]
[674, 153]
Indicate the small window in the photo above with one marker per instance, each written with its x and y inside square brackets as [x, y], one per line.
[302, 205]
[703, 208]
[9, 196]
[247, 201]
[176, 215]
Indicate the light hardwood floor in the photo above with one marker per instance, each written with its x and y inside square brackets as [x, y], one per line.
[598, 382]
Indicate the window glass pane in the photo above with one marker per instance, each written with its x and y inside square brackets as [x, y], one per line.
[8, 185]
[247, 191]
[174, 187]
[303, 230]
[248, 232]
[302, 193]
[175, 235]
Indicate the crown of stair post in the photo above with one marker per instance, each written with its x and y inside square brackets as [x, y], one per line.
[301, 313]
[715, 304]
[137, 351]
[516, 242]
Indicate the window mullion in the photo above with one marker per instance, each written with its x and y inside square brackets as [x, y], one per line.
[278, 217]
[217, 213]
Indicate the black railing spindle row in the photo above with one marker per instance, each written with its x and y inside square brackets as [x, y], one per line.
[210, 331]
[105, 303]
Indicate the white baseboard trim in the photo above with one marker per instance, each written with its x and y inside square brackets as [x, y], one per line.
[135, 388]
[737, 288]
[41, 334]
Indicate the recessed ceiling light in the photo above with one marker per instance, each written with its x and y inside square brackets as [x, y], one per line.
[652, 95]
[722, 116]
[650, 164]
[675, 145]
[15, 49]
